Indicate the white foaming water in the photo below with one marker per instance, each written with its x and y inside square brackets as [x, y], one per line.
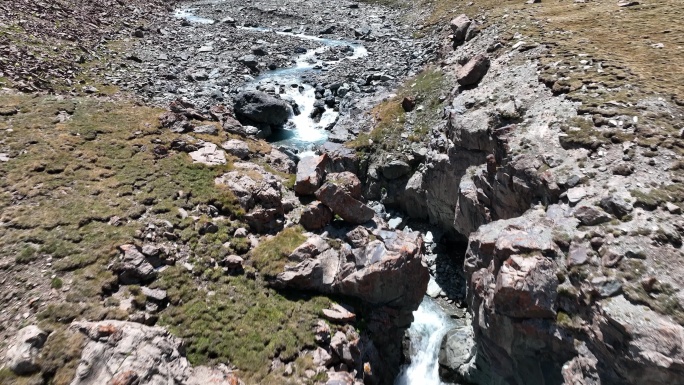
[301, 131]
[426, 332]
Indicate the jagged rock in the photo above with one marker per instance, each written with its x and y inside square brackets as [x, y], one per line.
[253, 186]
[310, 174]
[459, 27]
[526, 287]
[281, 161]
[233, 262]
[392, 272]
[133, 267]
[616, 205]
[236, 148]
[343, 204]
[591, 215]
[208, 154]
[315, 216]
[321, 357]
[457, 352]
[206, 129]
[339, 314]
[156, 295]
[120, 352]
[471, 73]
[22, 354]
[348, 181]
[260, 107]
[340, 378]
[358, 237]
[395, 169]
[265, 220]
[342, 158]
[313, 247]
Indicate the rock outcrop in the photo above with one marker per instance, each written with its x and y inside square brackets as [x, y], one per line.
[119, 352]
[344, 204]
[22, 355]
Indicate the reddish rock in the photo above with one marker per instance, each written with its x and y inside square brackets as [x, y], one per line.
[471, 73]
[348, 181]
[344, 204]
[339, 314]
[526, 287]
[310, 174]
[316, 216]
[459, 27]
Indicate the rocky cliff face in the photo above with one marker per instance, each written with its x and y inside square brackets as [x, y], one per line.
[569, 221]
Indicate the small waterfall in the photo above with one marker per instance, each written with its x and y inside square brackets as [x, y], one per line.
[426, 332]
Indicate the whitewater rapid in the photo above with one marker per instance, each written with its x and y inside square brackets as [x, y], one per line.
[426, 332]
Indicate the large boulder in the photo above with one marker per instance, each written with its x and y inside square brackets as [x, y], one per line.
[348, 181]
[310, 174]
[471, 73]
[459, 27]
[315, 216]
[261, 107]
[390, 271]
[23, 353]
[344, 204]
[133, 267]
[118, 352]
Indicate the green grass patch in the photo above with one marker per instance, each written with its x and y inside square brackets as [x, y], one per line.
[242, 321]
[271, 255]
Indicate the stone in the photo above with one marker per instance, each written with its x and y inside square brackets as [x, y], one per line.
[358, 237]
[673, 208]
[321, 357]
[313, 247]
[471, 73]
[616, 205]
[457, 350]
[118, 352]
[395, 169]
[315, 216]
[156, 295]
[260, 107]
[310, 174]
[344, 204]
[207, 129]
[250, 61]
[576, 194]
[348, 181]
[340, 378]
[233, 262]
[241, 233]
[591, 215]
[341, 157]
[339, 314]
[22, 354]
[133, 268]
[459, 27]
[236, 148]
[408, 104]
[209, 154]
[281, 161]
[526, 287]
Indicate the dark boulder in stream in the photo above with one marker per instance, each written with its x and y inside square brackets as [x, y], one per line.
[261, 107]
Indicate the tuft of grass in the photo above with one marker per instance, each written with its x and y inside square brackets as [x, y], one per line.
[242, 322]
[271, 255]
[390, 117]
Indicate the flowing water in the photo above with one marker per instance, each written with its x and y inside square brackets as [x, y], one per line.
[429, 326]
[302, 131]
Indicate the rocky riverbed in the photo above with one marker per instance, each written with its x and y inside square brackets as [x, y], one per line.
[295, 176]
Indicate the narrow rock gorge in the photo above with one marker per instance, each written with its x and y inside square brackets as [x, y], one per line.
[373, 192]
